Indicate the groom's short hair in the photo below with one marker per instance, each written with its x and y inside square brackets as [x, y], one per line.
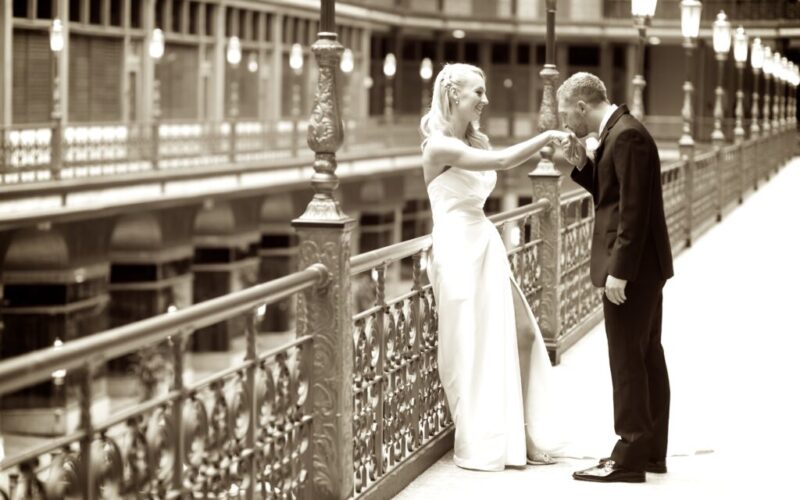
[584, 87]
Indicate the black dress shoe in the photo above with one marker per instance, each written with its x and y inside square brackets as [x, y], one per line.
[653, 466]
[607, 471]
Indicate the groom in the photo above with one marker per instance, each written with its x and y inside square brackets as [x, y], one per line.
[631, 259]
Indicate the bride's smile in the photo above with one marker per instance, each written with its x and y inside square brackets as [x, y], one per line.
[472, 98]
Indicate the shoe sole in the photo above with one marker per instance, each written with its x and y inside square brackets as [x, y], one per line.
[618, 479]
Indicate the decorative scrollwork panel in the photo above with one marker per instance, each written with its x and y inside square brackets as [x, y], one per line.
[674, 195]
[578, 297]
[524, 259]
[133, 454]
[399, 403]
[705, 186]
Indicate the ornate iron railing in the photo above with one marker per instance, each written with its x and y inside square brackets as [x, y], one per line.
[244, 430]
[704, 199]
[749, 158]
[25, 153]
[398, 401]
[673, 177]
[731, 177]
[525, 239]
[39, 153]
[399, 404]
[578, 297]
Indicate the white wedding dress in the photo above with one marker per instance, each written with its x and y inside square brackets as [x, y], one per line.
[492, 359]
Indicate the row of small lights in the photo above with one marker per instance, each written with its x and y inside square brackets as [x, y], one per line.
[760, 56]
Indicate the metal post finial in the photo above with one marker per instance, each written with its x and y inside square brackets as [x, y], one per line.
[687, 112]
[639, 82]
[718, 136]
[738, 131]
[325, 132]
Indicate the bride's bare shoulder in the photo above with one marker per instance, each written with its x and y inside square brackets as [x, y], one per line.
[434, 154]
[438, 148]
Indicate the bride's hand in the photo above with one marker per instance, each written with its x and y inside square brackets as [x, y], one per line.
[561, 137]
[573, 149]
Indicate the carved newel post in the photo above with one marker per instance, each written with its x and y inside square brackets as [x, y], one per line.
[325, 312]
[690, 29]
[546, 180]
[757, 62]
[740, 50]
[722, 47]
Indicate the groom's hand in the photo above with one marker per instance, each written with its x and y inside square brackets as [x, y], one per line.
[615, 290]
[574, 151]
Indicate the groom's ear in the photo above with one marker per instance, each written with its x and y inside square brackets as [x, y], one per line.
[581, 105]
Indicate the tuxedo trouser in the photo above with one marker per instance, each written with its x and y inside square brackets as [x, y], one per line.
[638, 370]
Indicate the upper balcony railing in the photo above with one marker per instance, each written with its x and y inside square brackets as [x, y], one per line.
[266, 427]
[41, 152]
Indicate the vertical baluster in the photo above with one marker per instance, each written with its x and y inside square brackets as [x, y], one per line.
[689, 169]
[520, 259]
[156, 126]
[382, 381]
[740, 149]
[719, 172]
[416, 311]
[252, 407]
[87, 473]
[178, 345]
[306, 367]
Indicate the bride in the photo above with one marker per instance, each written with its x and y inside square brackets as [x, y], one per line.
[492, 359]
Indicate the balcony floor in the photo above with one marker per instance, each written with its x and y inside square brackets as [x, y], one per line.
[731, 340]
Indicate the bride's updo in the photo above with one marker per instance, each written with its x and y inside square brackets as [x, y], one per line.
[439, 118]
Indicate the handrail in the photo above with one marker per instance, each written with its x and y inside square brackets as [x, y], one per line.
[668, 167]
[392, 253]
[572, 196]
[520, 212]
[368, 260]
[36, 366]
[706, 156]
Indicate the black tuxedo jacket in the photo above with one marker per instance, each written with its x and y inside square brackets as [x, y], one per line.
[625, 181]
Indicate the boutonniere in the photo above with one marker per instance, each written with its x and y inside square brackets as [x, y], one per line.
[592, 144]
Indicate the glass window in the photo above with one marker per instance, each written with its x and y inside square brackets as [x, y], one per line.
[44, 10]
[500, 53]
[74, 10]
[177, 14]
[194, 14]
[116, 12]
[21, 8]
[523, 54]
[94, 12]
[136, 15]
[210, 16]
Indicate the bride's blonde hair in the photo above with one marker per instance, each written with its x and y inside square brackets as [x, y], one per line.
[438, 118]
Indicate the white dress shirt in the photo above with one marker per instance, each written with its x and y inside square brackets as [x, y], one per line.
[606, 117]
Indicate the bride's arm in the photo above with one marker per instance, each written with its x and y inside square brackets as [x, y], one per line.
[443, 150]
